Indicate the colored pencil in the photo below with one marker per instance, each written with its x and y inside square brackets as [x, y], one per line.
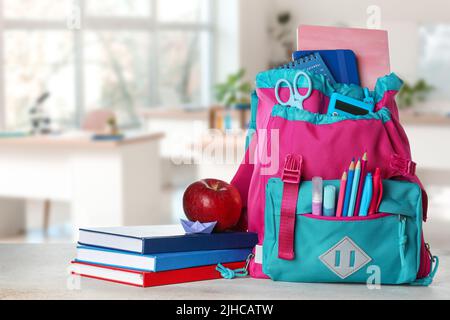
[377, 192]
[355, 184]
[348, 188]
[361, 184]
[341, 198]
[366, 196]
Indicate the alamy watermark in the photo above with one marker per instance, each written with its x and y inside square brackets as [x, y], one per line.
[227, 148]
[374, 17]
[374, 280]
[73, 15]
[73, 281]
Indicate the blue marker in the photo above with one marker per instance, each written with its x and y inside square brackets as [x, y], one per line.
[351, 205]
[348, 188]
[366, 196]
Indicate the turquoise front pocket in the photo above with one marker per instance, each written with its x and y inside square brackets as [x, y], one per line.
[384, 246]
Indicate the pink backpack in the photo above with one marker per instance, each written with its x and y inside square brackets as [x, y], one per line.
[326, 144]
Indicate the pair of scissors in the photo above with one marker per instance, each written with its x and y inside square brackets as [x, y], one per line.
[295, 98]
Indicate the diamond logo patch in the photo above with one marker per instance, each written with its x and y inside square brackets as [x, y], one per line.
[345, 258]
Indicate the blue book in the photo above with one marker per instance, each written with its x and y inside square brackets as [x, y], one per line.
[108, 137]
[163, 239]
[160, 261]
[312, 63]
[342, 64]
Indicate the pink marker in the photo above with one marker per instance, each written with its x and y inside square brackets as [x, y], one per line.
[340, 205]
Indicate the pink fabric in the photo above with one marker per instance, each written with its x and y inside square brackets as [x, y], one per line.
[241, 181]
[399, 140]
[316, 103]
[326, 150]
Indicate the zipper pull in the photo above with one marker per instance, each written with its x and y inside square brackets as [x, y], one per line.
[368, 97]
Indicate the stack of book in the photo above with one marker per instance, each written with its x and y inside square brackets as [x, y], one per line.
[158, 255]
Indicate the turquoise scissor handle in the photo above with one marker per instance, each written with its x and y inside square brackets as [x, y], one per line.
[297, 94]
[277, 92]
[295, 98]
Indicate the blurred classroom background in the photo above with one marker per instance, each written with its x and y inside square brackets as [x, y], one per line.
[150, 69]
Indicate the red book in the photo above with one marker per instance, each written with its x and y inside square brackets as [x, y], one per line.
[150, 279]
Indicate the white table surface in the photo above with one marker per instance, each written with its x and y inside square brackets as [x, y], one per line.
[39, 271]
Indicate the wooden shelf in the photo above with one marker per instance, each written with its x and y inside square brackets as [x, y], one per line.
[424, 119]
[83, 141]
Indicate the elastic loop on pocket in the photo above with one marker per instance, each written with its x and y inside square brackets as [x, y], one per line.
[404, 167]
[402, 239]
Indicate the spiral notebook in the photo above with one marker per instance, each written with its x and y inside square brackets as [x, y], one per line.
[312, 63]
[341, 63]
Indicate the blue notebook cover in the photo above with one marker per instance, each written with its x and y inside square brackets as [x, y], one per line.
[161, 261]
[312, 63]
[342, 64]
[163, 239]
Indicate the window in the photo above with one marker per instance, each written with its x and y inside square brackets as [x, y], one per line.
[123, 55]
[434, 64]
[36, 62]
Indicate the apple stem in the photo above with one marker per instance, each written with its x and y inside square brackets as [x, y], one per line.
[214, 186]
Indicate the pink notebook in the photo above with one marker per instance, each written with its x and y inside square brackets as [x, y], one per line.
[370, 46]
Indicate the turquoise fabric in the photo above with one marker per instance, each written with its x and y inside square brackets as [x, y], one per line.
[296, 114]
[392, 241]
[252, 124]
[268, 79]
[387, 83]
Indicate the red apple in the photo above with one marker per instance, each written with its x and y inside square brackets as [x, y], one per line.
[211, 200]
